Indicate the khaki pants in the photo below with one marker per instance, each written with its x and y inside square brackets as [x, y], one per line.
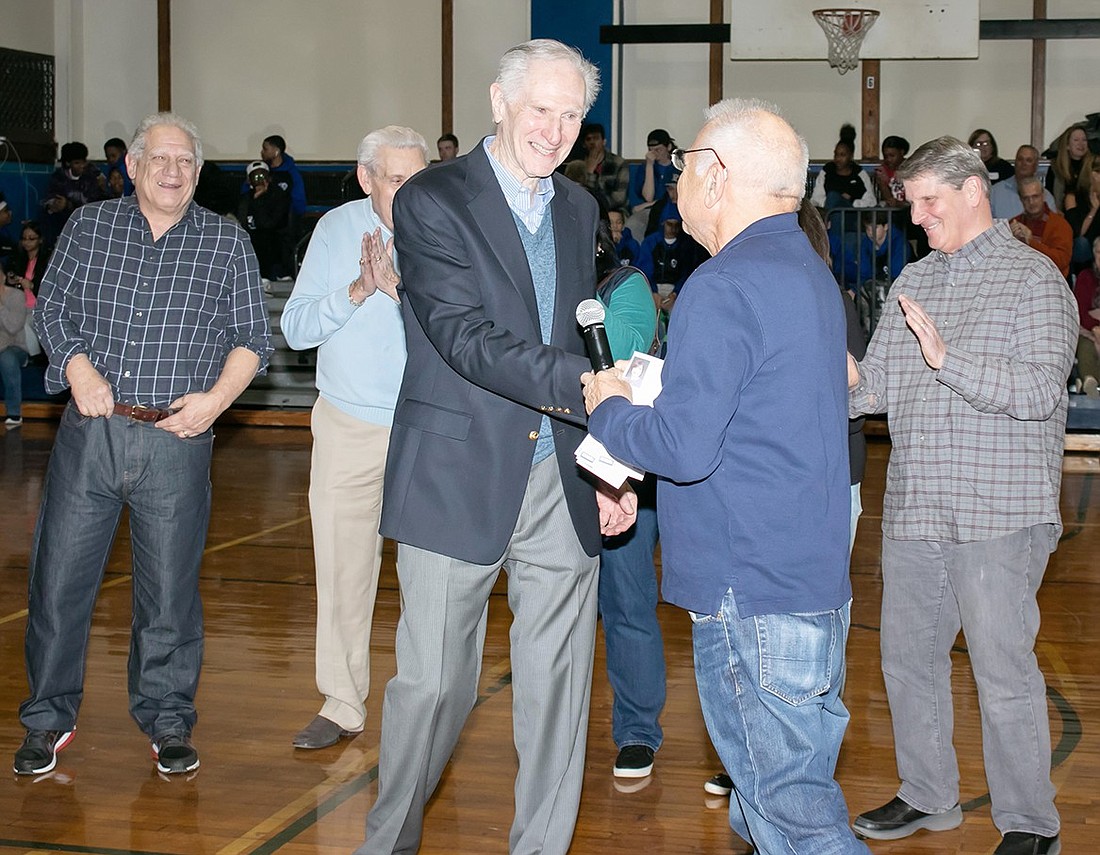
[345, 502]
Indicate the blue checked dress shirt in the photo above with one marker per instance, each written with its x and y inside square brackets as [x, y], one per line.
[156, 318]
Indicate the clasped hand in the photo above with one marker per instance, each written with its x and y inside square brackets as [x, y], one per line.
[376, 270]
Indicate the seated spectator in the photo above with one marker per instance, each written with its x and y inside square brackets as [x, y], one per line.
[447, 146]
[889, 188]
[116, 184]
[626, 248]
[26, 266]
[263, 211]
[999, 169]
[1040, 227]
[24, 269]
[72, 184]
[1069, 171]
[1083, 219]
[664, 208]
[1087, 293]
[842, 183]
[648, 184]
[13, 349]
[883, 252]
[114, 150]
[285, 174]
[605, 173]
[667, 257]
[1004, 198]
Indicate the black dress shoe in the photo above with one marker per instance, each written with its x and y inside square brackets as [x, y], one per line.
[1022, 843]
[897, 819]
[321, 733]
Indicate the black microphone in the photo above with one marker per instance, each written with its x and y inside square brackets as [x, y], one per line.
[590, 315]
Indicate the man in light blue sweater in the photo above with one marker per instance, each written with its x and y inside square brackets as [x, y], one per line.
[345, 303]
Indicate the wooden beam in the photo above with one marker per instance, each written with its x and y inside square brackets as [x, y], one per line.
[164, 55]
[717, 53]
[1038, 79]
[872, 84]
[651, 34]
[447, 62]
[1054, 28]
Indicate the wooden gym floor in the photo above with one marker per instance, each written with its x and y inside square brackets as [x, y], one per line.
[255, 794]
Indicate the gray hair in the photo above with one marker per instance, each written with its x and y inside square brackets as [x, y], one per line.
[171, 120]
[1021, 183]
[391, 136]
[516, 62]
[777, 168]
[948, 160]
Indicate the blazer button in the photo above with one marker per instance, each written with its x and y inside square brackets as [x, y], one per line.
[567, 410]
[533, 435]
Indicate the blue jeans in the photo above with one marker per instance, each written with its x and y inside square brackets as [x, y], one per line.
[770, 688]
[635, 650]
[98, 466]
[12, 360]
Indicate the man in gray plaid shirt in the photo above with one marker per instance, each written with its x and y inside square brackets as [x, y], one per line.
[970, 361]
[152, 313]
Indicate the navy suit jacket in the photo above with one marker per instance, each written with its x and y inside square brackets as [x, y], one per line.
[478, 378]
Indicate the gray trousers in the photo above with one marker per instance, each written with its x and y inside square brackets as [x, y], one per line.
[552, 589]
[988, 589]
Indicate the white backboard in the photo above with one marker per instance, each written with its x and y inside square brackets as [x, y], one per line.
[905, 29]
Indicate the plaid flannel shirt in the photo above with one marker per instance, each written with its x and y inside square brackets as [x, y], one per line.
[977, 445]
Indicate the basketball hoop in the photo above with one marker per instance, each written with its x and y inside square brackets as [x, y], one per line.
[845, 29]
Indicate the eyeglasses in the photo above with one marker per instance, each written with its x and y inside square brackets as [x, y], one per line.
[678, 156]
[983, 143]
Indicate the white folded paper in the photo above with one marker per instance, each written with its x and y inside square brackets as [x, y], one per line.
[643, 373]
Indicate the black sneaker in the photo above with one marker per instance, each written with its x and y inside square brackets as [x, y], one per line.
[897, 818]
[720, 785]
[39, 750]
[175, 754]
[634, 761]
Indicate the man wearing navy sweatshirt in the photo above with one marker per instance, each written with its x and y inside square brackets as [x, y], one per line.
[345, 303]
[749, 441]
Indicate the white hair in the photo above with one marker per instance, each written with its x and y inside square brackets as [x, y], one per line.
[516, 63]
[171, 120]
[391, 136]
[759, 152]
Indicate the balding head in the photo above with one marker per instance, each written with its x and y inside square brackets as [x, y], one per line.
[757, 169]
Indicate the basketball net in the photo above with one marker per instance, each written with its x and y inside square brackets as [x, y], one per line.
[845, 29]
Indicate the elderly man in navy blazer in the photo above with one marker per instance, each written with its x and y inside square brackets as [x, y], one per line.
[496, 252]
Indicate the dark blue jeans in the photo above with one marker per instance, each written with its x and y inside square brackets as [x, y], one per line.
[12, 360]
[98, 466]
[635, 650]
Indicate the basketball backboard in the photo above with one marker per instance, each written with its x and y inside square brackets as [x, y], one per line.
[905, 29]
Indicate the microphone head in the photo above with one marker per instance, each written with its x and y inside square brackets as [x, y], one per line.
[590, 312]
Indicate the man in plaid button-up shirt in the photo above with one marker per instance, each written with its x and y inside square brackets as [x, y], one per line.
[970, 361]
[152, 313]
